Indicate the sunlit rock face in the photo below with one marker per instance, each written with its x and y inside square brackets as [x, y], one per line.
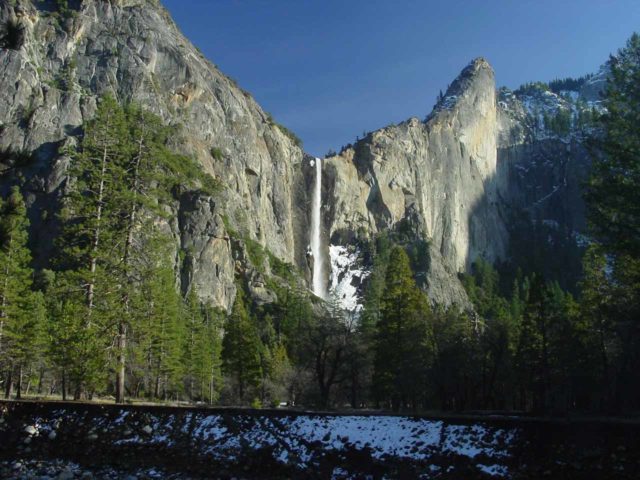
[459, 177]
[50, 84]
[439, 173]
[452, 179]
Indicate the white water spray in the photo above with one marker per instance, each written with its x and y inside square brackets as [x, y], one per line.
[319, 285]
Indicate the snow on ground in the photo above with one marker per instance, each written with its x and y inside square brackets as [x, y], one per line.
[298, 438]
[494, 470]
[294, 441]
[346, 277]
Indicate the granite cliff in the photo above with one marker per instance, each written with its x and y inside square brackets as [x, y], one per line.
[464, 177]
[65, 60]
[454, 179]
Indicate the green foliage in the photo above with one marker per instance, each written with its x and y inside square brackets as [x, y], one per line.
[63, 6]
[241, 349]
[202, 351]
[535, 350]
[560, 123]
[614, 189]
[544, 248]
[162, 332]
[282, 269]
[613, 201]
[77, 349]
[292, 136]
[456, 365]
[568, 84]
[257, 253]
[110, 249]
[402, 335]
[12, 34]
[21, 316]
[217, 153]
[532, 88]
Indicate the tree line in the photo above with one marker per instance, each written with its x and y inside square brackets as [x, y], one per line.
[108, 307]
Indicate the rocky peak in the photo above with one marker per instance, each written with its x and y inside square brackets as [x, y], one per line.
[437, 178]
[477, 76]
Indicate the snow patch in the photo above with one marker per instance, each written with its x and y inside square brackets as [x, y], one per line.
[494, 470]
[346, 277]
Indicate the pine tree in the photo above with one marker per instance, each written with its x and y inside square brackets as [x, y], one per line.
[92, 222]
[613, 194]
[202, 349]
[163, 331]
[16, 307]
[402, 340]
[27, 336]
[533, 350]
[144, 158]
[457, 362]
[77, 349]
[613, 201]
[209, 355]
[241, 349]
[279, 373]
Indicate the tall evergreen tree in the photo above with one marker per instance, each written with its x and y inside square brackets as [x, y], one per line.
[402, 339]
[17, 320]
[91, 223]
[162, 329]
[596, 305]
[209, 355]
[241, 349]
[613, 193]
[327, 341]
[613, 200]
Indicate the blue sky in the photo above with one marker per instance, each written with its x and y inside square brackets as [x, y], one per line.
[332, 69]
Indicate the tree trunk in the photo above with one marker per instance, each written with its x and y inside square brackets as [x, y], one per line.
[40, 381]
[120, 373]
[78, 392]
[156, 388]
[95, 243]
[9, 386]
[64, 386]
[19, 383]
[122, 325]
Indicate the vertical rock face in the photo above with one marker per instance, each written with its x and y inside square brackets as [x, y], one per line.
[207, 262]
[49, 85]
[453, 179]
[439, 174]
[480, 159]
[544, 169]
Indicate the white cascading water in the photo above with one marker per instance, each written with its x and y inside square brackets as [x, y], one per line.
[319, 281]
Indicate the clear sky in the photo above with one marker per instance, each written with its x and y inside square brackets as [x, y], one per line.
[332, 69]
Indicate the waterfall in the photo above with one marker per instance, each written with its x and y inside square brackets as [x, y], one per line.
[319, 278]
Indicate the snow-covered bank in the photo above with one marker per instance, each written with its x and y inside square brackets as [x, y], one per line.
[200, 443]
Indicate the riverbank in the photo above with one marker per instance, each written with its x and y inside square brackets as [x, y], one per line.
[199, 442]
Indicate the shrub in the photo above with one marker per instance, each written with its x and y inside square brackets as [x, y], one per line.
[257, 254]
[216, 153]
[292, 136]
[12, 35]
